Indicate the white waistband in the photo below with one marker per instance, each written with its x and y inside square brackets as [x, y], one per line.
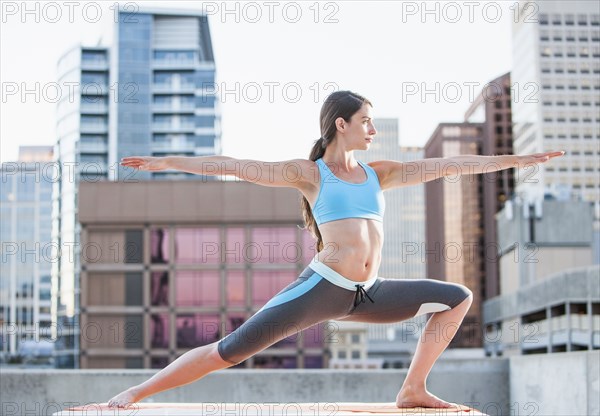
[336, 278]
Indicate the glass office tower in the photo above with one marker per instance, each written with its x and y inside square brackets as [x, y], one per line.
[25, 209]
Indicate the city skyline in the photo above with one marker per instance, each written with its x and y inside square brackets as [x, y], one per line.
[402, 75]
[176, 268]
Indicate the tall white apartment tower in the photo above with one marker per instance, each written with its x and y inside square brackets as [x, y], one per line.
[556, 103]
[404, 227]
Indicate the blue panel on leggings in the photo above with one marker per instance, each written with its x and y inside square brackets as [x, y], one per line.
[294, 293]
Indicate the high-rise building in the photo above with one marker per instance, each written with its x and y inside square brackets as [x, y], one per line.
[404, 223]
[556, 82]
[149, 93]
[492, 107]
[27, 252]
[455, 223]
[404, 228]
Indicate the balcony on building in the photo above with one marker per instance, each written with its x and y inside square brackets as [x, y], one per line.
[88, 127]
[175, 146]
[165, 127]
[174, 59]
[174, 107]
[94, 88]
[94, 60]
[173, 87]
[93, 106]
[96, 146]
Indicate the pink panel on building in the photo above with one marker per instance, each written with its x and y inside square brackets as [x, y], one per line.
[197, 288]
[236, 288]
[232, 252]
[197, 245]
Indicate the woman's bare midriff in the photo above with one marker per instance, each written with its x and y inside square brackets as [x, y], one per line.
[352, 247]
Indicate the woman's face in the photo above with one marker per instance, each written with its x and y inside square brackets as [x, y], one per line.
[360, 130]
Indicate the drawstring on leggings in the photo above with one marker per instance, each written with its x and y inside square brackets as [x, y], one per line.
[360, 293]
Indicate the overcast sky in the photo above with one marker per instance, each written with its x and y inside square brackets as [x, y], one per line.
[390, 52]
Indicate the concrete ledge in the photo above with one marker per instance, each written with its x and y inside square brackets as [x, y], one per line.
[556, 384]
[481, 384]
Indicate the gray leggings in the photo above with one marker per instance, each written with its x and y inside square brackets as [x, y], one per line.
[321, 294]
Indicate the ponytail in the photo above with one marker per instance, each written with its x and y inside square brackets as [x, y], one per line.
[317, 152]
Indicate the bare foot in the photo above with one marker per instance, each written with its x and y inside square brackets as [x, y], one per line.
[410, 397]
[124, 399]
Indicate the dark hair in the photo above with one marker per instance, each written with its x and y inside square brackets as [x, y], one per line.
[338, 104]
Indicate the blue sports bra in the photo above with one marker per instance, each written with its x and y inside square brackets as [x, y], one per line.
[339, 199]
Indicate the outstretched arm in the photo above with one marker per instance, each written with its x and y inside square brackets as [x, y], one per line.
[396, 174]
[290, 173]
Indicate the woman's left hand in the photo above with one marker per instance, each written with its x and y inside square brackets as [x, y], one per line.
[528, 160]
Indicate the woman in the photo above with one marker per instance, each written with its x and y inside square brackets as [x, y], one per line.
[343, 207]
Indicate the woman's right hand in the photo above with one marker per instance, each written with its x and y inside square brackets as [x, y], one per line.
[145, 163]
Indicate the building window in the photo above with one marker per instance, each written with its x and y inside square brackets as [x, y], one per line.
[197, 288]
[236, 288]
[194, 330]
[270, 245]
[355, 354]
[313, 361]
[134, 246]
[355, 339]
[159, 362]
[159, 330]
[342, 354]
[233, 252]
[113, 331]
[197, 245]
[569, 19]
[159, 245]
[115, 289]
[113, 247]
[159, 288]
[556, 19]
